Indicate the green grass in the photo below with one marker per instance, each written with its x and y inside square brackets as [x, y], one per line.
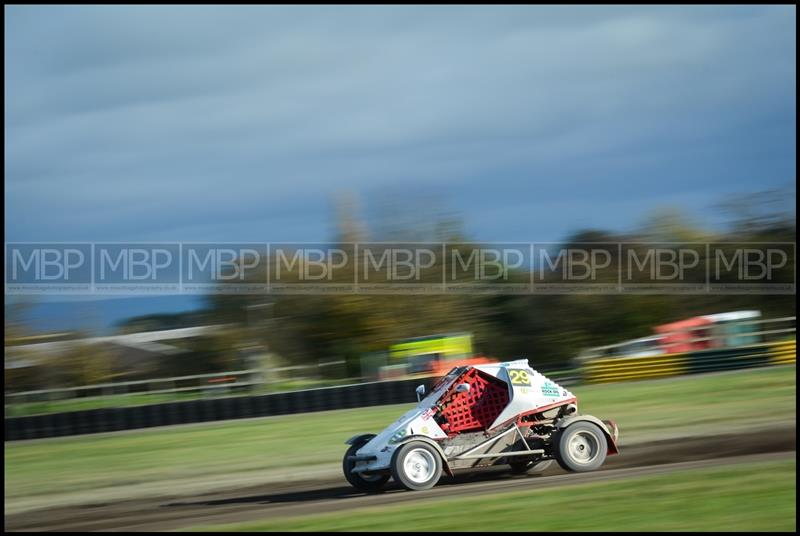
[215, 450]
[747, 497]
[694, 403]
[218, 452]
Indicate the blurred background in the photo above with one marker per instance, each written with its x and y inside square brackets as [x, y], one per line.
[333, 125]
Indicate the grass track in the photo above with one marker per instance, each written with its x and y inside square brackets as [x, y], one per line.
[220, 451]
[747, 497]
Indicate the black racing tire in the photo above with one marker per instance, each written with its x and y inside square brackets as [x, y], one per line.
[581, 447]
[370, 483]
[416, 466]
[519, 468]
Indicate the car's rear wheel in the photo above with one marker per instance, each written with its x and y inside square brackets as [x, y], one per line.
[581, 447]
[519, 468]
[416, 466]
[369, 483]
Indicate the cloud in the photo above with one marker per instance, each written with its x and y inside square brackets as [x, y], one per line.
[217, 123]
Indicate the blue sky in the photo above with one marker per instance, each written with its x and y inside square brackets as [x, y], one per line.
[221, 123]
[217, 123]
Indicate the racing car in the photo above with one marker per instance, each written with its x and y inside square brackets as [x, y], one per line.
[476, 416]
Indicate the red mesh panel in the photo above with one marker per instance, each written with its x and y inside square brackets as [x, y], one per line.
[478, 408]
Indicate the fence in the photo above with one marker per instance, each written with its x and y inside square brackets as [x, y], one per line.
[218, 384]
[617, 369]
[178, 384]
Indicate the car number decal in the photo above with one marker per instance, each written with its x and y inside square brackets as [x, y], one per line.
[519, 377]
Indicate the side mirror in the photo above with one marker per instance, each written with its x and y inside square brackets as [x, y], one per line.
[462, 388]
[420, 392]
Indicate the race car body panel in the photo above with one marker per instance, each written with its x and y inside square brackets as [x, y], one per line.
[528, 389]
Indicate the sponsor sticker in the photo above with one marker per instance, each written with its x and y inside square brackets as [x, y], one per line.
[549, 389]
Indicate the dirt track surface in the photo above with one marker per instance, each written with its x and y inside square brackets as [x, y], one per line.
[304, 498]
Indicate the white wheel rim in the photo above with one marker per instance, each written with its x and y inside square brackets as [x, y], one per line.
[419, 465]
[584, 447]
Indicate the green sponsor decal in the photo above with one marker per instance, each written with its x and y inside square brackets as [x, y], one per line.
[549, 389]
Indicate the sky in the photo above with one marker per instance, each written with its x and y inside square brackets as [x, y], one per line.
[223, 123]
[218, 123]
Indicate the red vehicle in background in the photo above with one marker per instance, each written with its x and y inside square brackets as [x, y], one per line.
[719, 330]
[679, 336]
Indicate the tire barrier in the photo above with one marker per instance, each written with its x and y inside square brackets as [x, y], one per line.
[195, 411]
[784, 352]
[218, 409]
[616, 369]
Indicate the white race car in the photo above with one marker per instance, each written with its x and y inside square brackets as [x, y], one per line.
[476, 416]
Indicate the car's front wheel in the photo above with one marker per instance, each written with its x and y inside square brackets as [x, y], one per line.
[361, 481]
[581, 447]
[416, 466]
